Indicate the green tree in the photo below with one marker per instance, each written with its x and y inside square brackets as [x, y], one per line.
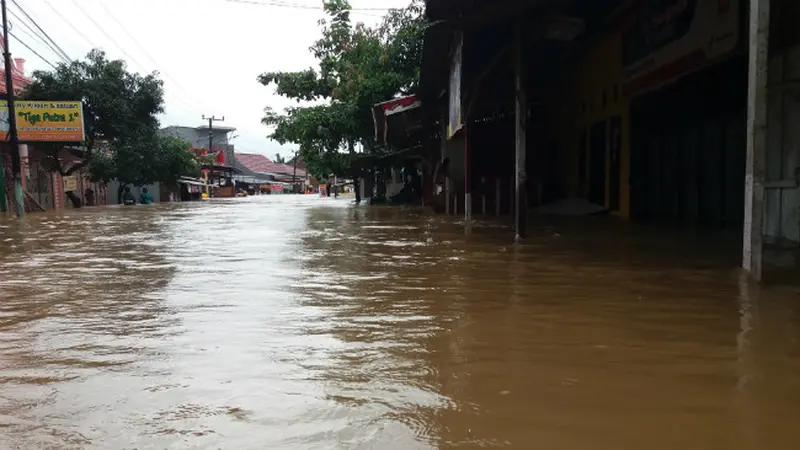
[145, 161]
[358, 66]
[279, 159]
[120, 110]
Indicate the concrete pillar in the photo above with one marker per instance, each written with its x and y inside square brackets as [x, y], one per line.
[444, 155]
[756, 137]
[521, 210]
[497, 196]
[24, 161]
[483, 195]
[58, 191]
[467, 179]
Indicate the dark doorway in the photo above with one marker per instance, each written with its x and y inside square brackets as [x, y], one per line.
[597, 163]
[614, 149]
[583, 178]
[688, 148]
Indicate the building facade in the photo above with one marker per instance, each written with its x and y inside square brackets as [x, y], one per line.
[657, 110]
[198, 136]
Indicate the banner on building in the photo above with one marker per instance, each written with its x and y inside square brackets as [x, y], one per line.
[216, 156]
[70, 183]
[666, 39]
[454, 123]
[44, 121]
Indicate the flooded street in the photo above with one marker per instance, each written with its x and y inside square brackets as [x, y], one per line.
[283, 322]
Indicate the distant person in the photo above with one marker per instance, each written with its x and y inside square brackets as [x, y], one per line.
[89, 195]
[127, 197]
[146, 198]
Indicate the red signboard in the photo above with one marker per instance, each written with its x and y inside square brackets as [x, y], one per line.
[219, 155]
[666, 39]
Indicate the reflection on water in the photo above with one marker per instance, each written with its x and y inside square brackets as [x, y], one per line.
[306, 323]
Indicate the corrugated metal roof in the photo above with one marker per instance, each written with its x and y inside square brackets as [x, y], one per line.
[261, 164]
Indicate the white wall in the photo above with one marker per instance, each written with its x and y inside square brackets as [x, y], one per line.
[113, 186]
[782, 208]
[395, 185]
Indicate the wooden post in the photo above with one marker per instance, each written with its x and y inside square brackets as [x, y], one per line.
[511, 201]
[443, 151]
[497, 197]
[467, 179]
[521, 210]
[756, 137]
[483, 195]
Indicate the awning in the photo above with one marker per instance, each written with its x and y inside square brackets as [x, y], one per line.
[191, 181]
[252, 179]
[396, 119]
[223, 169]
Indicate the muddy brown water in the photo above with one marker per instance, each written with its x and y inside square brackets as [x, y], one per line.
[305, 323]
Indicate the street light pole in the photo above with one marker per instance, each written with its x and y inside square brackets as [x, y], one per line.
[13, 138]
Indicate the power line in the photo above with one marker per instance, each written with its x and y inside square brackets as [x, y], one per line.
[32, 50]
[146, 53]
[32, 34]
[54, 45]
[77, 31]
[280, 4]
[141, 66]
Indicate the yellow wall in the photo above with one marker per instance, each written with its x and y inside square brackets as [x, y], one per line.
[598, 70]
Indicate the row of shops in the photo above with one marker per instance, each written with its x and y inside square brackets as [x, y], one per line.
[653, 110]
[257, 174]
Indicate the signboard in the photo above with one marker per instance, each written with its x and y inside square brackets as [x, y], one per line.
[665, 39]
[70, 184]
[400, 105]
[383, 111]
[454, 122]
[218, 155]
[44, 121]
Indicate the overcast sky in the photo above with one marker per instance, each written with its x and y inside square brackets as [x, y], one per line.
[209, 52]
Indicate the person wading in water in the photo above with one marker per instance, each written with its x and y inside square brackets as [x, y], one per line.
[146, 198]
[127, 197]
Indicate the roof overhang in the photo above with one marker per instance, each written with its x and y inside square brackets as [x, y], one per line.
[397, 119]
[224, 169]
[215, 128]
[191, 181]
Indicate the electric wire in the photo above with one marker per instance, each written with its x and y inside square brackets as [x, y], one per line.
[150, 57]
[32, 50]
[370, 12]
[31, 33]
[105, 33]
[75, 29]
[52, 44]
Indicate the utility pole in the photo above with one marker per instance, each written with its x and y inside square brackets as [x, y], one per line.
[13, 138]
[294, 173]
[211, 119]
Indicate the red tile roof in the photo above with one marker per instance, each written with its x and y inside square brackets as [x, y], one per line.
[262, 164]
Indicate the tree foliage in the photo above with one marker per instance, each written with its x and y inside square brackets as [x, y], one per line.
[146, 160]
[120, 111]
[359, 66]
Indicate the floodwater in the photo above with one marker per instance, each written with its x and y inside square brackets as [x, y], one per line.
[290, 322]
